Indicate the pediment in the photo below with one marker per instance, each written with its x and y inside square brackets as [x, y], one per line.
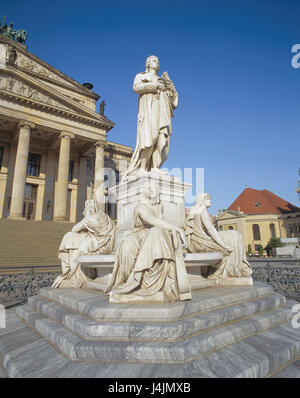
[14, 54]
[229, 214]
[32, 93]
[22, 87]
[26, 78]
[31, 65]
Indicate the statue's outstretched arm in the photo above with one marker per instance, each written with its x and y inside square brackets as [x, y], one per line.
[79, 226]
[147, 216]
[211, 230]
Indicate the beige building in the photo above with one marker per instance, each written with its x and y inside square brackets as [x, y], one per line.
[260, 215]
[54, 152]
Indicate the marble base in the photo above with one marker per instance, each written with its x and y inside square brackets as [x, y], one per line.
[115, 298]
[127, 195]
[234, 282]
[241, 331]
[193, 261]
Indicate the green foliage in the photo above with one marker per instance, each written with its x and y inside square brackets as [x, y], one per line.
[249, 249]
[273, 242]
[261, 251]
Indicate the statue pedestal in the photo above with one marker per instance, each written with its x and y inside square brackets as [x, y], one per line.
[127, 195]
[224, 332]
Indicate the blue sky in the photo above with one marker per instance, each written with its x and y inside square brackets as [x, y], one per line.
[239, 102]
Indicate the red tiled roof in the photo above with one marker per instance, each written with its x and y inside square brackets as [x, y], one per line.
[266, 202]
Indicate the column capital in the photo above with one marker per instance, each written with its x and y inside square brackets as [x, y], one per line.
[26, 124]
[67, 134]
[101, 144]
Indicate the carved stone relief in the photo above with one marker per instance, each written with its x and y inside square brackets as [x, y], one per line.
[27, 63]
[18, 87]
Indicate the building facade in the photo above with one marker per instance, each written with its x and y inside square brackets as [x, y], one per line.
[260, 215]
[54, 152]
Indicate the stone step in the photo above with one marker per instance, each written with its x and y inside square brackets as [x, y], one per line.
[94, 304]
[159, 331]
[25, 354]
[290, 371]
[3, 374]
[180, 351]
[37, 242]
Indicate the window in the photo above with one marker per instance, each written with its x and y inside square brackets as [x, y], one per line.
[31, 191]
[33, 164]
[272, 230]
[257, 204]
[256, 232]
[220, 228]
[71, 168]
[230, 227]
[1, 155]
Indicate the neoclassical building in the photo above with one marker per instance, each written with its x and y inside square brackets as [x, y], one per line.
[260, 215]
[54, 152]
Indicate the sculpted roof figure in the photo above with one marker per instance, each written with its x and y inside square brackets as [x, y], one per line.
[157, 100]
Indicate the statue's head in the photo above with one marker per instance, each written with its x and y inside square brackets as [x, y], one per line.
[152, 62]
[150, 191]
[91, 207]
[203, 199]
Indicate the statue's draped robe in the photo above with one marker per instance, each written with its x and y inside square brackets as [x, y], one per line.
[145, 262]
[94, 235]
[199, 240]
[155, 111]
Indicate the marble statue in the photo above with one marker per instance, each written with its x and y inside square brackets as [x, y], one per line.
[149, 262]
[157, 100]
[94, 234]
[202, 237]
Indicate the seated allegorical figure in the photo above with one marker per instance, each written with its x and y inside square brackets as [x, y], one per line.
[149, 259]
[94, 234]
[202, 237]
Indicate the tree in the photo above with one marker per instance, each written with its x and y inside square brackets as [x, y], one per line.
[249, 252]
[261, 251]
[273, 242]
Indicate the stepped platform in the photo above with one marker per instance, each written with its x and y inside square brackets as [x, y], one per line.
[30, 243]
[237, 331]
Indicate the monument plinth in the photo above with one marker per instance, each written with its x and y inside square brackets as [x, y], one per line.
[128, 194]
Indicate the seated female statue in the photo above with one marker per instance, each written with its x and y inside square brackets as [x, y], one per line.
[202, 237]
[147, 259]
[92, 235]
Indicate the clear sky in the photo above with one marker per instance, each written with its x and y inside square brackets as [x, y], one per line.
[239, 102]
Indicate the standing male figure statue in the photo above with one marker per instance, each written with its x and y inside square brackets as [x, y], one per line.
[157, 100]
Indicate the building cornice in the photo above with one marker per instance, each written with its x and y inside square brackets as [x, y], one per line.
[53, 109]
[118, 149]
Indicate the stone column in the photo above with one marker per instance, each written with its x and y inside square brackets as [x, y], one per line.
[49, 185]
[82, 185]
[61, 188]
[17, 197]
[99, 174]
